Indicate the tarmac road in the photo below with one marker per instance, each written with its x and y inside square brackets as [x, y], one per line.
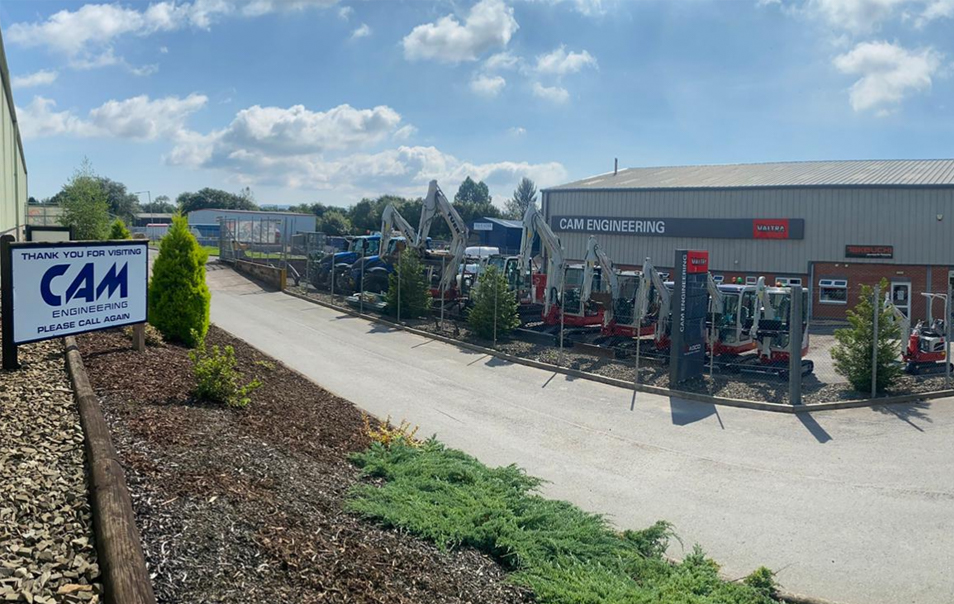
[853, 506]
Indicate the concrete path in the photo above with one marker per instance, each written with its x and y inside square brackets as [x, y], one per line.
[854, 506]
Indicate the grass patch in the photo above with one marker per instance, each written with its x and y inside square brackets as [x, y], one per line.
[567, 556]
[211, 250]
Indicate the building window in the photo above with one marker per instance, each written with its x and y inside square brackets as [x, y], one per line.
[787, 281]
[833, 291]
[750, 280]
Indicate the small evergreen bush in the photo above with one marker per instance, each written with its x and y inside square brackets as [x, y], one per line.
[216, 378]
[491, 286]
[178, 296]
[852, 352]
[118, 230]
[415, 295]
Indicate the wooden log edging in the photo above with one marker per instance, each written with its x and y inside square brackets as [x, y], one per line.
[121, 560]
[595, 377]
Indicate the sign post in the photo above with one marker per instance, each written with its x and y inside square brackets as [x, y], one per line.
[10, 360]
[688, 327]
[57, 289]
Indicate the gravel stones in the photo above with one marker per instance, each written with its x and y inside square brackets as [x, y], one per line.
[46, 539]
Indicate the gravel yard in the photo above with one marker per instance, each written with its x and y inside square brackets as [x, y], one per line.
[246, 505]
[820, 387]
[46, 542]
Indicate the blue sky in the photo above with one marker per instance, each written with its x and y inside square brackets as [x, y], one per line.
[325, 100]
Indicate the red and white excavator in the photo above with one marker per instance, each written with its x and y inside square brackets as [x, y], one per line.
[925, 346]
[551, 286]
[619, 302]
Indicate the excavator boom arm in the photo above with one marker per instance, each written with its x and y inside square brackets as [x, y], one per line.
[391, 219]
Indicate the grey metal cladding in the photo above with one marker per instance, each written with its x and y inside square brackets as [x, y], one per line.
[859, 173]
[907, 219]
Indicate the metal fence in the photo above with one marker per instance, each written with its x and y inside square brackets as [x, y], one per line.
[879, 354]
[265, 240]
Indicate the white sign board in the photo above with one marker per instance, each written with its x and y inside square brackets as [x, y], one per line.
[67, 288]
[483, 226]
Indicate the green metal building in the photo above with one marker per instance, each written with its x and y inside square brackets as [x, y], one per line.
[13, 173]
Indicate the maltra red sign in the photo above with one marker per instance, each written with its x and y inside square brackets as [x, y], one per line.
[697, 261]
[770, 228]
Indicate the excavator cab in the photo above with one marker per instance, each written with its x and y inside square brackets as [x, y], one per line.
[734, 323]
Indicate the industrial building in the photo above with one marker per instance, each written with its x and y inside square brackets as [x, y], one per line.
[13, 173]
[830, 226]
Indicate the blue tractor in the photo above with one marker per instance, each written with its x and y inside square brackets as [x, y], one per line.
[333, 270]
[370, 273]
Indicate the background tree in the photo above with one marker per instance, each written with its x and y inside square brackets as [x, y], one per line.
[415, 294]
[84, 204]
[524, 196]
[216, 199]
[492, 297]
[473, 201]
[122, 204]
[160, 205]
[852, 351]
[118, 230]
[178, 295]
[334, 222]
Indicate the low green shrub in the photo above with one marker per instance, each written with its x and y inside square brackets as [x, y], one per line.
[118, 230]
[216, 378]
[179, 298]
[495, 312]
[565, 555]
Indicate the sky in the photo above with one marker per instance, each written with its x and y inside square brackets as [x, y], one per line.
[333, 100]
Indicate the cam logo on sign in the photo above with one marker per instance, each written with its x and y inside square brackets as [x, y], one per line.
[61, 289]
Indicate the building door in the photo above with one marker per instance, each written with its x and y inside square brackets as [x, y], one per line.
[901, 296]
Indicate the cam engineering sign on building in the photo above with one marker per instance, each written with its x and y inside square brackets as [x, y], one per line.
[67, 288]
[714, 228]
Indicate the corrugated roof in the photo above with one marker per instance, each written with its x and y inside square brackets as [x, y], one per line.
[885, 173]
[512, 224]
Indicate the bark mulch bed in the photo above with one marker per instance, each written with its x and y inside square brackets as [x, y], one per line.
[246, 505]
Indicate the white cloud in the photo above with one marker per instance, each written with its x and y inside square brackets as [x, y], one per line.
[44, 77]
[501, 60]
[490, 24]
[936, 9]
[554, 94]
[261, 135]
[86, 35]
[487, 85]
[164, 50]
[559, 62]
[586, 7]
[517, 131]
[137, 118]
[299, 148]
[889, 73]
[345, 12]
[856, 15]
[361, 32]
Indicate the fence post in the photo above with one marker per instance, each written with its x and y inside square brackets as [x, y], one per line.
[949, 331]
[562, 286]
[443, 268]
[713, 335]
[795, 347]
[399, 279]
[361, 288]
[874, 342]
[495, 312]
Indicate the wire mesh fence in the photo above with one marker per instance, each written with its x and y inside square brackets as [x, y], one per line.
[785, 357]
